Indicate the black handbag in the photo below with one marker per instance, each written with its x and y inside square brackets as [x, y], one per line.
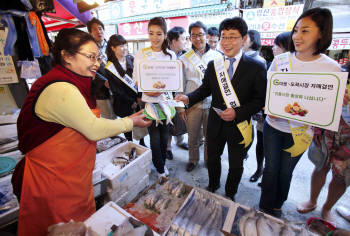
[179, 126]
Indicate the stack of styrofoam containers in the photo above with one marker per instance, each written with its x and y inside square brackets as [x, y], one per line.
[124, 184]
[103, 219]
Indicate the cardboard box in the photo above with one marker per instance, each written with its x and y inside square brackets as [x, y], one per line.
[102, 220]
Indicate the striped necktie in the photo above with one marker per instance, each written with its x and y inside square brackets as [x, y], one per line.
[230, 68]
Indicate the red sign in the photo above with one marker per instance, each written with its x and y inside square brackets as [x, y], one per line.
[267, 42]
[340, 43]
[140, 28]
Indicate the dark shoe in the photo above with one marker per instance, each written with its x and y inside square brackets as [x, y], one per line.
[277, 213]
[256, 176]
[231, 198]
[142, 142]
[169, 155]
[183, 146]
[190, 166]
[212, 189]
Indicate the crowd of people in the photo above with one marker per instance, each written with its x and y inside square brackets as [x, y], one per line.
[59, 112]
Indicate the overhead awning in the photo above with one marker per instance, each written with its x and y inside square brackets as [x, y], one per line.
[67, 16]
[107, 16]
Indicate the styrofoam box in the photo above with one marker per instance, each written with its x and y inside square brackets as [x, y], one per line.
[110, 214]
[120, 180]
[123, 198]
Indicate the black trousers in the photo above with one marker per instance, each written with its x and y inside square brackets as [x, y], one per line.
[236, 154]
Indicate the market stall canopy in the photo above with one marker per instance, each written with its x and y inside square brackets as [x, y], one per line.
[67, 16]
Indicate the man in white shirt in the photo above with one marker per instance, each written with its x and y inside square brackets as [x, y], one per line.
[195, 63]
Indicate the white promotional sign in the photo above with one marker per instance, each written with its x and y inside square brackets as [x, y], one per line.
[160, 76]
[311, 98]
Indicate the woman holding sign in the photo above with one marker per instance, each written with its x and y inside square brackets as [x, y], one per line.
[311, 35]
[159, 130]
[118, 71]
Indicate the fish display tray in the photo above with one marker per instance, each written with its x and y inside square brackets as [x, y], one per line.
[158, 222]
[123, 180]
[108, 215]
[228, 209]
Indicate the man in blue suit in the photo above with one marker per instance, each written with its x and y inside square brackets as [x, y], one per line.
[237, 84]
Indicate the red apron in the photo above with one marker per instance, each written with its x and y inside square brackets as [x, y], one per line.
[57, 183]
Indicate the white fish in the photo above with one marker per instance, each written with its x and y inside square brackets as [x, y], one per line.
[263, 226]
[287, 231]
[153, 112]
[166, 110]
[243, 219]
[250, 227]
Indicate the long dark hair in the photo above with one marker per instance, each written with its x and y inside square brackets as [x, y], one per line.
[114, 41]
[69, 40]
[160, 21]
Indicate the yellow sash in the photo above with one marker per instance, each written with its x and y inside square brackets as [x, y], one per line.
[231, 100]
[196, 62]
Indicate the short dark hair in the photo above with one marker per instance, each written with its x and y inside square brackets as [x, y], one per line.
[114, 41]
[324, 20]
[175, 32]
[213, 31]
[94, 21]
[235, 23]
[254, 37]
[69, 40]
[282, 40]
[197, 24]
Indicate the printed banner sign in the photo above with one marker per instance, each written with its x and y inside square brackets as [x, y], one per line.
[160, 76]
[311, 98]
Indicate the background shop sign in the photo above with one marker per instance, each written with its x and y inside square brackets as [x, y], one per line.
[128, 8]
[274, 3]
[7, 70]
[140, 28]
[311, 98]
[341, 42]
[267, 42]
[276, 19]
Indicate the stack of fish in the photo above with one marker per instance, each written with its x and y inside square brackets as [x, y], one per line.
[256, 224]
[175, 187]
[200, 216]
[122, 161]
[156, 202]
[153, 111]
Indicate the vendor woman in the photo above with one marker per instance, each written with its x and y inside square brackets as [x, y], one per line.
[57, 131]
